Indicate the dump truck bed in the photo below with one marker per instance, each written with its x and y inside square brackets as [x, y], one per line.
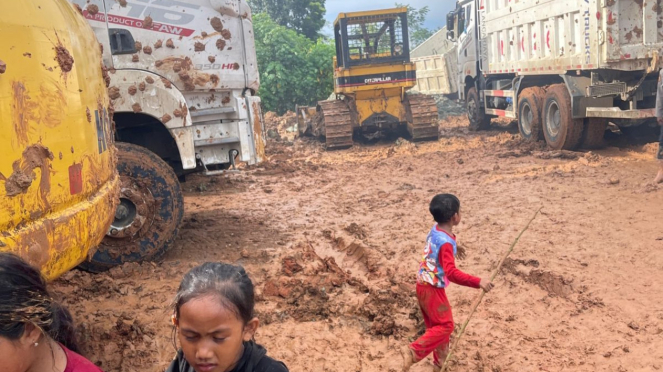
[555, 36]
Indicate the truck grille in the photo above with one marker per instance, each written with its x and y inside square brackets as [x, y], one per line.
[610, 89]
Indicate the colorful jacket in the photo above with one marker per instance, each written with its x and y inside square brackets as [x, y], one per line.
[430, 268]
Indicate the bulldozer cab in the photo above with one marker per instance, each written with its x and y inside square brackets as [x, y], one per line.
[372, 37]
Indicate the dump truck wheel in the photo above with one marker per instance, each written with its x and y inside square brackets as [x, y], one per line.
[559, 128]
[475, 113]
[149, 214]
[530, 109]
[592, 136]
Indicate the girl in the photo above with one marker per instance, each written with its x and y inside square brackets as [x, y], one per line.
[215, 323]
[36, 333]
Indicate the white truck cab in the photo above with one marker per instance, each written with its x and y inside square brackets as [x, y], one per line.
[183, 78]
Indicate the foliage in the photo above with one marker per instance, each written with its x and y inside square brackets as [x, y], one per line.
[293, 69]
[415, 21]
[307, 17]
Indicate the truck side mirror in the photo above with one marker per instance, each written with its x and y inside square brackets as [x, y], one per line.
[450, 21]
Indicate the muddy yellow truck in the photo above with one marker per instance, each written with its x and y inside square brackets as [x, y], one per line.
[58, 180]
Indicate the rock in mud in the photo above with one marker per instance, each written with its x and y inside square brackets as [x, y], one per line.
[158, 44]
[132, 90]
[138, 45]
[3, 67]
[147, 49]
[149, 80]
[135, 58]
[78, 8]
[88, 115]
[170, 44]
[123, 3]
[166, 118]
[211, 59]
[290, 266]
[141, 86]
[199, 47]
[136, 107]
[166, 83]
[226, 34]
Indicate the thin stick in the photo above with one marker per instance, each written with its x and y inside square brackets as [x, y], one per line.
[478, 300]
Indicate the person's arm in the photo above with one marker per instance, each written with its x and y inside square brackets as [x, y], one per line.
[454, 274]
[659, 98]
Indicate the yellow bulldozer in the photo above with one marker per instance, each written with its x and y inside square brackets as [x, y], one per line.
[372, 73]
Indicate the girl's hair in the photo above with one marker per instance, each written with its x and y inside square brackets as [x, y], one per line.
[24, 300]
[229, 283]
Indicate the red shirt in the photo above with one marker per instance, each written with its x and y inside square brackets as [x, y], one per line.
[77, 363]
[448, 261]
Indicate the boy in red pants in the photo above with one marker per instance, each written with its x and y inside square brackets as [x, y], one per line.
[436, 270]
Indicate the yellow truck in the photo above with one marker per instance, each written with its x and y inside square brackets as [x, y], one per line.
[58, 180]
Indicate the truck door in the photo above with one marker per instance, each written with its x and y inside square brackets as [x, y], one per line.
[467, 46]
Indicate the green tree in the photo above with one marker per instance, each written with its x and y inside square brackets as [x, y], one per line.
[307, 17]
[293, 69]
[415, 21]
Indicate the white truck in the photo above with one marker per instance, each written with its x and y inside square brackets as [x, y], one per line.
[182, 79]
[563, 68]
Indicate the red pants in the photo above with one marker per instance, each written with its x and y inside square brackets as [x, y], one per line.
[439, 324]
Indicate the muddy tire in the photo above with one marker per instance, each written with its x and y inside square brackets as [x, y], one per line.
[149, 214]
[530, 111]
[592, 136]
[559, 128]
[475, 113]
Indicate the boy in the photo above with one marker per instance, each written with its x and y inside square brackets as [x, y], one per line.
[436, 270]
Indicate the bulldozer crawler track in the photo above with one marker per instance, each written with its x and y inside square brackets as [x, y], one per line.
[422, 118]
[337, 121]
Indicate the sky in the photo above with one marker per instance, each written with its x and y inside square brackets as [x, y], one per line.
[436, 16]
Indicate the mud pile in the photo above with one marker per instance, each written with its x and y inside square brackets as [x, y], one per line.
[281, 128]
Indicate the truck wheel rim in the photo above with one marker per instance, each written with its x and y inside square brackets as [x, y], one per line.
[472, 111]
[526, 118]
[134, 212]
[553, 120]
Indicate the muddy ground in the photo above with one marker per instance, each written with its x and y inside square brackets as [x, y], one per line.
[332, 242]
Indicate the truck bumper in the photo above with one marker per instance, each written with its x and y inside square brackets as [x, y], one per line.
[617, 113]
[60, 241]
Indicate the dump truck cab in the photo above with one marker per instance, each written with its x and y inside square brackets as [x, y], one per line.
[183, 81]
[58, 177]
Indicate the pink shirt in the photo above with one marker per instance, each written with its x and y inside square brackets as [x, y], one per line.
[77, 363]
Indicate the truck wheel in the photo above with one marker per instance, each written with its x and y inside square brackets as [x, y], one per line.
[475, 113]
[530, 109]
[559, 128]
[149, 214]
[592, 136]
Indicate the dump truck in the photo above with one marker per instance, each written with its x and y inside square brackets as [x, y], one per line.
[183, 82]
[58, 180]
[372, 73]
[563, 69]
